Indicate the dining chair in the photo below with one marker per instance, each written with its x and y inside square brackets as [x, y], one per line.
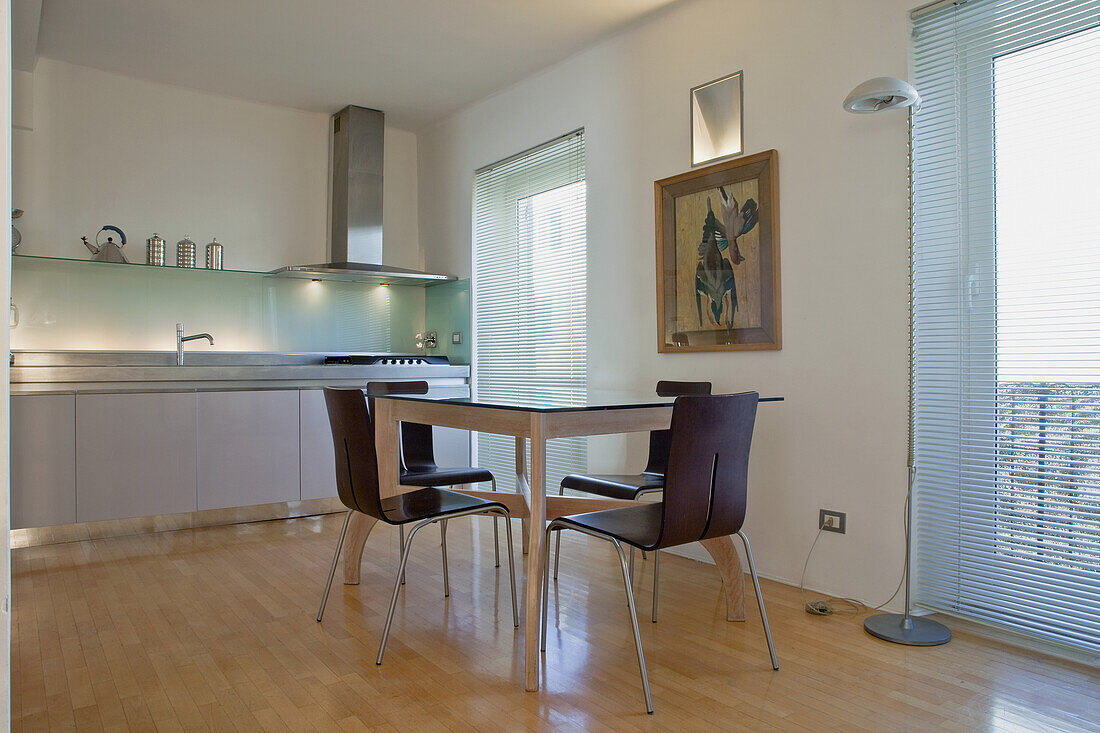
[351, 419]
[634, 486]
[418, 466]
[706, 487]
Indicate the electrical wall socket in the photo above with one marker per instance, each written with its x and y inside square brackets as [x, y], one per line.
[832, 521]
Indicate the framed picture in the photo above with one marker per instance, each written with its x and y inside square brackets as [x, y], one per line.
[718, 257]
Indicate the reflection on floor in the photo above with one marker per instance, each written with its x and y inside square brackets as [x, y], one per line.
[213, 629]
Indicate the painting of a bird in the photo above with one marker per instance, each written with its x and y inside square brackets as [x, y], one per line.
[714, 275]
[717, 257]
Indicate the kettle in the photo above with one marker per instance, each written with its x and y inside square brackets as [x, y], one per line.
[107, 251]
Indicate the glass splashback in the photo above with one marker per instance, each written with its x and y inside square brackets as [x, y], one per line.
[78, 304]
[447, 312]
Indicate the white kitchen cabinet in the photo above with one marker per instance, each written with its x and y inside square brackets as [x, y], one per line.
[43, 460]
[247, 448]
[92, 457]
[318, 464]
[135, 455]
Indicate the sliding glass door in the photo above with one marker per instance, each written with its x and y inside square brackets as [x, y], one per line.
[1007, 315]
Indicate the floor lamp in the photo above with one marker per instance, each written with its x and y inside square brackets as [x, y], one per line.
[876, 95]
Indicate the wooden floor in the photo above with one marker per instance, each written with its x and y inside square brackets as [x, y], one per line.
[214, 629]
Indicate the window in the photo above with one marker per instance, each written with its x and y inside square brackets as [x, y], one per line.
[1007, 315]
[529, 291]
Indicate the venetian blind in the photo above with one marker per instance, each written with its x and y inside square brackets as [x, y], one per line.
[1007, 315]
[529, 290]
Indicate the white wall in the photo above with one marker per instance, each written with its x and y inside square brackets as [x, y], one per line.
[109, 149]
[838, 441]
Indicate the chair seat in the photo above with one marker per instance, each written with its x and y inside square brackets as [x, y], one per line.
[614, 486]
[639, 526]
[429, 504]
[446, 477]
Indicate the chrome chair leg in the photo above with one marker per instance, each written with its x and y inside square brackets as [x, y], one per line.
[634, 623]
[401, 541]
[397, 588]
[555, 526]
[446, 570]
[405, 560]
[557, 541]
[496, 536]
[656, 582]
[632, 566]
[759, 600]
[511, 566]
[545, 567]
[335, 560]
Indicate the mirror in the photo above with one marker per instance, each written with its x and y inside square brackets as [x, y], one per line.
[716, 124]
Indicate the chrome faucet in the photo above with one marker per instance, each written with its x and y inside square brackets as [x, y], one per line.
[180, 338]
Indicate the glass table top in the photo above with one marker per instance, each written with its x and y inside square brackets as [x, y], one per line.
[596, 399]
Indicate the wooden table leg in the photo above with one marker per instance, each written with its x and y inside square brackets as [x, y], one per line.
[733, 578]
[537, 505]
[356, 539]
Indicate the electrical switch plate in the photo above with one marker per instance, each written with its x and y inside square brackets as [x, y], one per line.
[832, 521]
[456, 337]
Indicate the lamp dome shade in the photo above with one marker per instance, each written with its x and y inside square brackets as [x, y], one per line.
[881, 93]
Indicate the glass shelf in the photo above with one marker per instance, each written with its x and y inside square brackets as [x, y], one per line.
[371, 278]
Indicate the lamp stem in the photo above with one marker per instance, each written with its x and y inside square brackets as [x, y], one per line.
[893, 627]
[909, 190]
[910, 460]
[908, 538]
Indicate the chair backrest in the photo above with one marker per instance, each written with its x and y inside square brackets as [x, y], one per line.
[669, 388]
[381, 389]
[350, 416]
[353, 447]
[708, 467]
[658, 439]
[417, 449]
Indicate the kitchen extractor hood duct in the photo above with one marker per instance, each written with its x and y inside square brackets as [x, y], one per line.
[355, 226]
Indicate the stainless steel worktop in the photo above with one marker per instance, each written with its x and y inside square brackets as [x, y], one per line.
[34, 372]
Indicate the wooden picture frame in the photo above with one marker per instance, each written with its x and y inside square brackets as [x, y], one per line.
[717, 290]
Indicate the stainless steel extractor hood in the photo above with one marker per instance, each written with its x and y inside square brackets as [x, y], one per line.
[355, 236]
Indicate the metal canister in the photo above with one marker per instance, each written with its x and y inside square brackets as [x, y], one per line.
[185, 252]
[154, 250]
[214, 255]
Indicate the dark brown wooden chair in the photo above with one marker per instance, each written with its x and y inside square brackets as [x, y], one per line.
[418, 466]
[351, 419]
[705, 493]
[634, 486]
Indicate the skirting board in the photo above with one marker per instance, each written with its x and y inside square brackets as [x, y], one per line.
[34, 536]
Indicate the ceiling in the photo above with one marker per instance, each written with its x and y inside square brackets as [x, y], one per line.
[418, 60]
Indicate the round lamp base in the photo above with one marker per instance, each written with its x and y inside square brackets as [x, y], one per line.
[909, 630]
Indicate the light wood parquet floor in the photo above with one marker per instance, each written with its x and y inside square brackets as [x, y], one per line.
[213, 629]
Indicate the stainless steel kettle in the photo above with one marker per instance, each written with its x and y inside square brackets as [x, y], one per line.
[107, 251]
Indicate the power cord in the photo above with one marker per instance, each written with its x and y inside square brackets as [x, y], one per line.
[826, 606]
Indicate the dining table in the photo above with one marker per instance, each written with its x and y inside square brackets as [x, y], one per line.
[531, 420]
